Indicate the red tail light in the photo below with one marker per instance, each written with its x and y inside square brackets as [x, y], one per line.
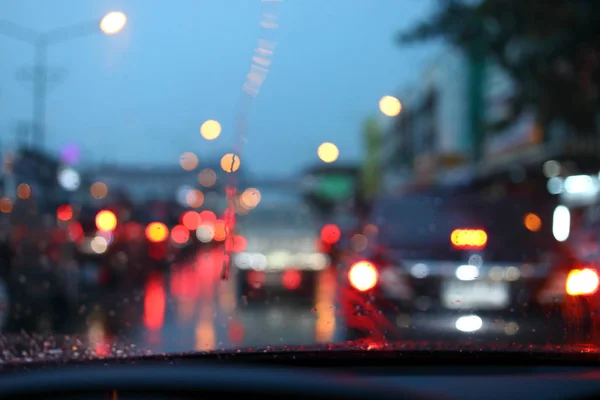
[581, 282]
[363, 276]
[468, 239]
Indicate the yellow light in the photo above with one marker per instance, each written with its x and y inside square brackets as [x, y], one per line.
[328, 152]
[99, 190]
[230, 162]
[582, 282]
[106, 221]
[188, 161]
[363, 276]
[210, 129]
[157, 232]
[113, 22]
[390, 106]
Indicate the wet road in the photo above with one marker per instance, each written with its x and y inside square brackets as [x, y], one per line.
[193, 309]
[189, 308]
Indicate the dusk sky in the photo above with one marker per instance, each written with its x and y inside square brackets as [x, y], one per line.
[140, 96]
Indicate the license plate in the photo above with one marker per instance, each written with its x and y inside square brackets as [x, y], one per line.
[475, 294]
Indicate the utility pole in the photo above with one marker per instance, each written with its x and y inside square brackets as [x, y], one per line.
[40, 79]
[110, 24]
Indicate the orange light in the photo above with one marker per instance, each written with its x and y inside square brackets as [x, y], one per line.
[220, 231]
[363, 276]
[582, 282]
[191, 220]
[23, 191]
[330, 234]
[468, 238]
[106, 220]
[532, 222]
[180, 234]
[64, 212]
[157, 232]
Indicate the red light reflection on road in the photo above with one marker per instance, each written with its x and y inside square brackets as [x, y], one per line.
[236, 333]
[154, 303]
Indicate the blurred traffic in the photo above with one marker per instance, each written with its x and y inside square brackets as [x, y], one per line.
[444, 228]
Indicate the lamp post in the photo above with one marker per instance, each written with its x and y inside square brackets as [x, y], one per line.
[110, 24]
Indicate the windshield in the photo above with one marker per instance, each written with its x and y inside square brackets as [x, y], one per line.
[209, 175]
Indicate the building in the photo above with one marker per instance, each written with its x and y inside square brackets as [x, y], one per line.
[143, 184]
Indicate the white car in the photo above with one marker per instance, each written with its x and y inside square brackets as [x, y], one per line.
[281, 256]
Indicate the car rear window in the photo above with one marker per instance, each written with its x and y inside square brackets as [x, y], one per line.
[517, 229]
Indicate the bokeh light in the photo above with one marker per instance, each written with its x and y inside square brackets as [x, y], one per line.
[220, 231]
[250, 198]
[390, 106]
[194, 198]
[532, 222]
[188, 161]
[99, 245]
[191, 220]
[205, 233]
[210, 129]
[99, 190]
[328, 152]
[157, 232]
[23, 191]
[6, 205]
[106, 220]
[230, 162]
[69, 179]
[64, 212]
[207, 177]
[180, 234]
[330, 234]
[70, 154]
[113, 22]
[207, 217]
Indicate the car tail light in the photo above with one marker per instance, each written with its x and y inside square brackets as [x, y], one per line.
[468, 239]
[581, 282]
[363, 276]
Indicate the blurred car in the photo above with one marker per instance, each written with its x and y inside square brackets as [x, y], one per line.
[451, 264]
[281, 255]
[575, 285]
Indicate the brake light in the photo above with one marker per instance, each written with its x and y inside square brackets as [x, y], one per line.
[106, 220]
[468, 238]
[582, 282]
[363, 276]
[157, 232]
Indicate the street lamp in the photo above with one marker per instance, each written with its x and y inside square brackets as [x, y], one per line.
[110, 24]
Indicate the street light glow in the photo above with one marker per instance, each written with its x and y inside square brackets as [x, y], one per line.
[390, 106]
[328, 152]
[210, 129]
[113, 22]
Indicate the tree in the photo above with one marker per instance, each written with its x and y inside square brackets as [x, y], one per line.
[550, 49]
[371, 169]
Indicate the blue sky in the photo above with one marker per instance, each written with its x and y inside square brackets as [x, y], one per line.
[139, 97]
